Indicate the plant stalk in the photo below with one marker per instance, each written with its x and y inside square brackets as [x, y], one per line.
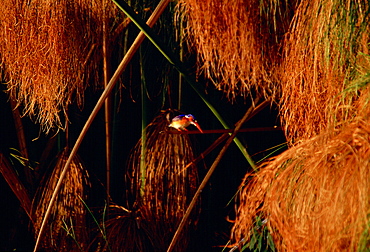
[107, 103]
[208, 176]
[143, 128]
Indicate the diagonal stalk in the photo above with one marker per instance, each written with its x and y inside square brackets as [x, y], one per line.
[208, 175]
[152, 19]
[15, 184]
[172, 59]
[21, 140]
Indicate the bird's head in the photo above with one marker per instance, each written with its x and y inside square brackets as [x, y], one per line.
[192, 120]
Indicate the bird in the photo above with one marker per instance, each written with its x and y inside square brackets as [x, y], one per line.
[180, 122]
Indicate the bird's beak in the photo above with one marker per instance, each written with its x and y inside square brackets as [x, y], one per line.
[197, 125]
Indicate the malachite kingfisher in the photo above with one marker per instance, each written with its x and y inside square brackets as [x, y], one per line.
[180, 122]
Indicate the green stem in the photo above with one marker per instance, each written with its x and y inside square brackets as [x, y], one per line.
[143, 126]
[172, 59]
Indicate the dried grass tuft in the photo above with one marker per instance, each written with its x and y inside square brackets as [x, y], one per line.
[236, 41]
[68, 206]
[125, 231]
[315, 196]
[49, 53]
[169, 188]
[326, 49]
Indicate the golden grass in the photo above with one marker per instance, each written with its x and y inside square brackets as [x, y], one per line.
[68, 206]
[236, 42]
[306, 53]
[324, 51]
[126, 231]
[162, 201]
[50, 53]
[160, 188]
[315, 196]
